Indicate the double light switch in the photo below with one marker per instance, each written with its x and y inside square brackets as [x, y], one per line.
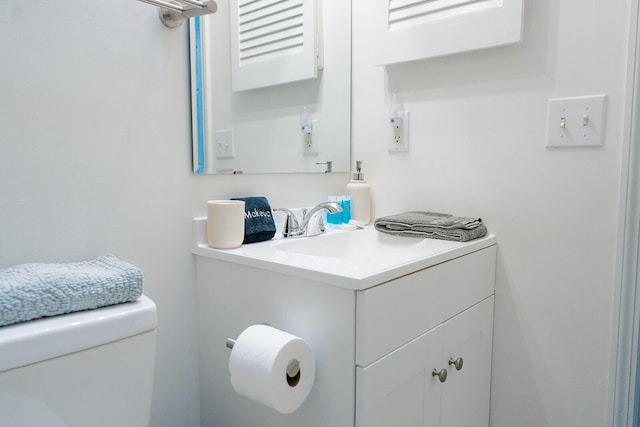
[575, 122]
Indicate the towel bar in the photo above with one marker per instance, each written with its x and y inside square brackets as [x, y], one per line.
[174, 12]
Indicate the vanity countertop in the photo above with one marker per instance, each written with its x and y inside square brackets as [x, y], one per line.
[350, 259]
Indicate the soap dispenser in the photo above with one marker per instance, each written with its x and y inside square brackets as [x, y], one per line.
[360, 193]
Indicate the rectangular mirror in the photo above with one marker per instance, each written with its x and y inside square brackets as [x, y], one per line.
[291, 126]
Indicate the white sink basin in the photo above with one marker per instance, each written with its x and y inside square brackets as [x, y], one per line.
[348, 244]
[351, 259]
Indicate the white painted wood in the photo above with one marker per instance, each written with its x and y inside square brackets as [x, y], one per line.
[232, 297]
[393, 314]
[407, 30]
[465, 400]
[273, 42]
[626, 328]
[399, 389]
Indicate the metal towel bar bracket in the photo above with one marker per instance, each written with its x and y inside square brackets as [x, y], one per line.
[174, 12]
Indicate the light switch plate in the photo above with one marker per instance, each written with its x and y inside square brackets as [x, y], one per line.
[224, 144]
[575, 122]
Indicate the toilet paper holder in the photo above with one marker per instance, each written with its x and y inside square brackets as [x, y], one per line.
[293, 367]
[231, 342]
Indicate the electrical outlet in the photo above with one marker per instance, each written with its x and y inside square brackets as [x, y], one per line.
[399, 140]
[224, 144]
[575, 122]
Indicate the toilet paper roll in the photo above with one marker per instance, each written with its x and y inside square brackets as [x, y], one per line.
[272, 367]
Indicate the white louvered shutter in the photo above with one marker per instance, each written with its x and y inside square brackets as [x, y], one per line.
[273, 42]
[408, 30]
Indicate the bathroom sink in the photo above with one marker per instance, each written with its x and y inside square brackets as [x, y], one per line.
[349, 244]
[351, 259]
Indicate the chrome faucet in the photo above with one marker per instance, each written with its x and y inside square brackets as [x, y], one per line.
[294, 229]
[307, 216]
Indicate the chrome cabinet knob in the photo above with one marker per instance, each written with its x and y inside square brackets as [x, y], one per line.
[457, 363]
[441, 374]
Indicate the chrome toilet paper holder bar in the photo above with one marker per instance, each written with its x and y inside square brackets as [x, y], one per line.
[231, 342]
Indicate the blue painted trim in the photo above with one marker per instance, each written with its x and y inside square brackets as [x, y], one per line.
[199, 96]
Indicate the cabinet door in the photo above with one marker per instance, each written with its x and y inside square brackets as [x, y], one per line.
[399, 390]
[465, 396]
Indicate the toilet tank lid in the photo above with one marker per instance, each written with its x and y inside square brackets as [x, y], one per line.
[31, 342]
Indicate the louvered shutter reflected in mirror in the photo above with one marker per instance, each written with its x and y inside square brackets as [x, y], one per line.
[274, 42]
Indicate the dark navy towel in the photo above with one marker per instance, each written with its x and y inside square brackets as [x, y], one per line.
[258, 220]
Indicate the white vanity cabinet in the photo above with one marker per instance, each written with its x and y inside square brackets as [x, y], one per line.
[412, 336]
[376, 339]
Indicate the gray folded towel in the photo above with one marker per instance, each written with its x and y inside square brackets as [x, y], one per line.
[30, 291]
[432, 225]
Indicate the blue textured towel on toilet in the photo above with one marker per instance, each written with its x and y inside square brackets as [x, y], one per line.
[258, 220]
[30, 291]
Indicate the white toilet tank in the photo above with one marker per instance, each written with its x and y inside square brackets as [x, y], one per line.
[86, 369]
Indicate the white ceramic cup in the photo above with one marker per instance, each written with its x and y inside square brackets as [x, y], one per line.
[225, 223]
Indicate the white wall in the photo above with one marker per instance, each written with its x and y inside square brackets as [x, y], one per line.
[95, 158]
[477, 148]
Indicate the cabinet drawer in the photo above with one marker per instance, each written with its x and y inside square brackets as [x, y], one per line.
[398, 311]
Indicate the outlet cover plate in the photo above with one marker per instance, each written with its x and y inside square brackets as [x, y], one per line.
[399, 138]
[575, 122]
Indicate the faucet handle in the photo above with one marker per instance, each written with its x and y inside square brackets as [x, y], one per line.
[329, 164]
[291, 226]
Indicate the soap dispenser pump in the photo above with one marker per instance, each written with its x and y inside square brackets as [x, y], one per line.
[360, 193]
